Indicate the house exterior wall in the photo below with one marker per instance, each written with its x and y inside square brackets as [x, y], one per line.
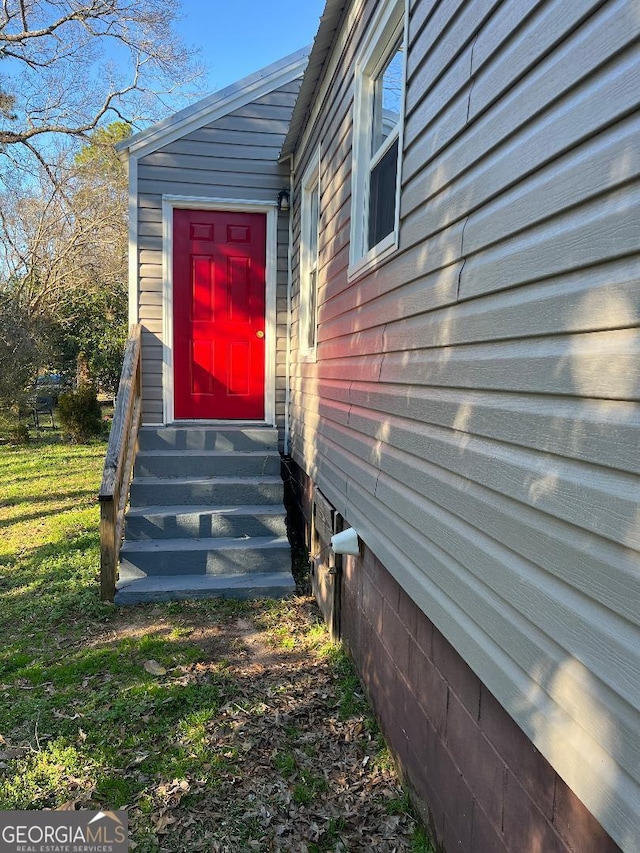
[473, 775]
[473, 410]
[233, 158]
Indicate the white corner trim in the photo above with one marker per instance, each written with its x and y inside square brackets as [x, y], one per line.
[134, 270]
[169, 204]
[216, 106]
[311, 179]
[287, 391]
[167, 312]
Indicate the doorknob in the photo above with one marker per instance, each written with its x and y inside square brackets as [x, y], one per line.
[260, 334]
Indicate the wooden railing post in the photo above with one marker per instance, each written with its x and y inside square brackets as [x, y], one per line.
[118, 464]
[108, 558]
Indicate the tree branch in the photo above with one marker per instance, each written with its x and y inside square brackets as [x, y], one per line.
[94, 10]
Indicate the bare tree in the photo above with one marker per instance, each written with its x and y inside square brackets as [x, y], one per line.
[19, 353]
[63, 249]
[68, 70]
[60, 235]
[69, 65]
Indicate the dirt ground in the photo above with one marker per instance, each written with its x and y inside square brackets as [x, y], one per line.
[308, 769]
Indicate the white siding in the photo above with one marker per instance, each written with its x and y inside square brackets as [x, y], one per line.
[474, 410]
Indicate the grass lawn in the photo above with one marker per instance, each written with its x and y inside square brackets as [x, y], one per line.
[219, 726]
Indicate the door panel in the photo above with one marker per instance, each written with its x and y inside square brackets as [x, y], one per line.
[219, 314]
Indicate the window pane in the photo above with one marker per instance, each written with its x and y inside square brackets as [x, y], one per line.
[309, 274]
[313, 225]
[312, 320]
[387, 96]
[382, 196]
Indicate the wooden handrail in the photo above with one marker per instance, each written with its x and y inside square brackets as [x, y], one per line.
[118, 464]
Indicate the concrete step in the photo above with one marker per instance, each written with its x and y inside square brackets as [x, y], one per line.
[149, 589]
[215, 491]
[206, 516]
[205, 463]
[208, 438]
[215, 556]
[201, 522]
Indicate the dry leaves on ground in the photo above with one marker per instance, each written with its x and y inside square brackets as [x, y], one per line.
[288, 769]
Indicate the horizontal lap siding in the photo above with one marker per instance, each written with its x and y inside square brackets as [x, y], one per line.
[233, 158]
[473, 411]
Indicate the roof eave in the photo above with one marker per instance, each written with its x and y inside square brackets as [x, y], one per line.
[322, 44]
[214, 106]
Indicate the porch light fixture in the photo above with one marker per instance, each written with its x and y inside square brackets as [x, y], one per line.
[284, 200]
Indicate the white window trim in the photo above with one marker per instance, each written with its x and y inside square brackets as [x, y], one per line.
[390, 22]
[310, 181]
[169, 204]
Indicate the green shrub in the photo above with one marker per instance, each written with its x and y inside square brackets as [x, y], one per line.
[19, 434]
[80, 414]
[12, 430]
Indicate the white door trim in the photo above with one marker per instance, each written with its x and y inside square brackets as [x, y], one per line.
[169, 204]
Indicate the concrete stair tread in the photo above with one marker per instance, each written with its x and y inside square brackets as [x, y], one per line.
[170, 451]
[172, 587]
[219, 543]
[223, 481]
[206, 516]
[196, 509]
[180, 464]
[197, 436]
[221, 555]
[201, 521]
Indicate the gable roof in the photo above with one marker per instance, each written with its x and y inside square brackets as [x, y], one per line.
[329, 23]
[215, 106]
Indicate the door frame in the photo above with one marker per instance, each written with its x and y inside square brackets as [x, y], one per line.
[169, 204]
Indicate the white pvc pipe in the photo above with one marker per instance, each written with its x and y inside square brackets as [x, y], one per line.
[346, 542]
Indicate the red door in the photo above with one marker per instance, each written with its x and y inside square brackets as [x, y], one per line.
[219, 314]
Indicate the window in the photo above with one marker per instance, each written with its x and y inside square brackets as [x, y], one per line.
[310, 218]
[378, 110]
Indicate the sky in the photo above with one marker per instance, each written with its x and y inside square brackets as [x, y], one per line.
[238, 37]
